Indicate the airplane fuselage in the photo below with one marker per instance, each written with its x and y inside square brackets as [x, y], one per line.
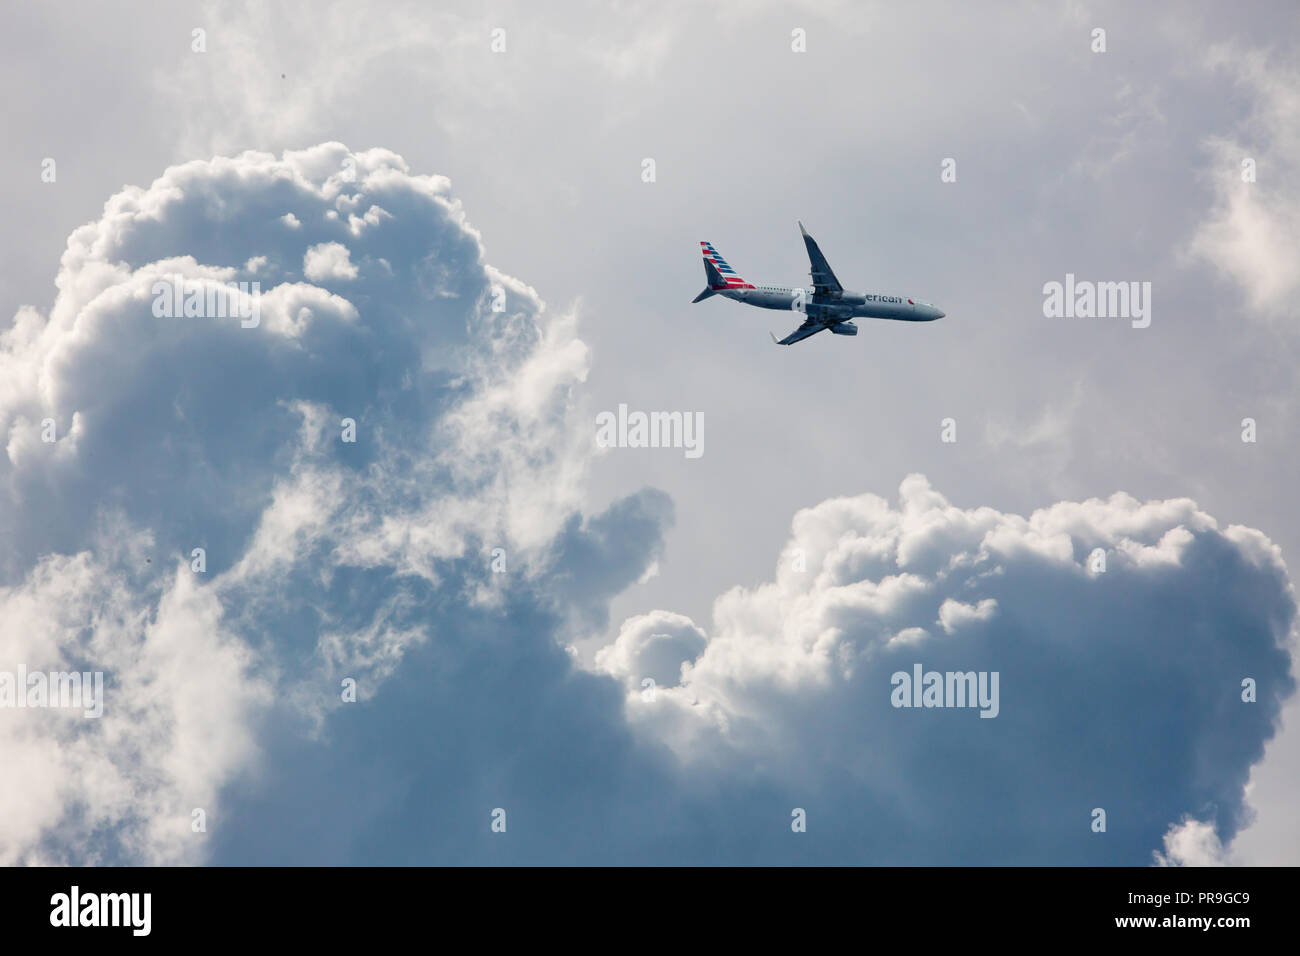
[847, 304]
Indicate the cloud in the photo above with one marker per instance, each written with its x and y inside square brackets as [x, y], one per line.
[1192, 843]
[181, 706]
[328, 260]
[954, 614]
[653, 646]
[444, 560]
[1120, 690]
[1252, 232]
[321, 558]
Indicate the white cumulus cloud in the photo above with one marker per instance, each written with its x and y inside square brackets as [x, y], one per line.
[328, 260]
[1118, 690]
[383, 481]
[172, 434]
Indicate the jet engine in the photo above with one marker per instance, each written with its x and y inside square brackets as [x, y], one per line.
[844, 328]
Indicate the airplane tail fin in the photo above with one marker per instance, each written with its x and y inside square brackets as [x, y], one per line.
[716, 282]
[721, 276]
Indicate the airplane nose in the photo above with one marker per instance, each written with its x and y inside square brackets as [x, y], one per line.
[939, 313]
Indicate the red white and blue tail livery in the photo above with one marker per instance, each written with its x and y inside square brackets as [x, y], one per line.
[727, 277]
[825, 304]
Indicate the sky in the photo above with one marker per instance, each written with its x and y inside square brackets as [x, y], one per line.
[457, 248]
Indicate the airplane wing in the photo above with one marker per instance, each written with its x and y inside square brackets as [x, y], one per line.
[809, 327]
[823, 278]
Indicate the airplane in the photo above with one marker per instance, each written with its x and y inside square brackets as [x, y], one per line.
[826, 305]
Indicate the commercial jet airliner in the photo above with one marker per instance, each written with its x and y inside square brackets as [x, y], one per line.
[825, 305]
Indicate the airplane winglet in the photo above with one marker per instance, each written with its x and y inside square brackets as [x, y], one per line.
[801, 228]
[774, 341]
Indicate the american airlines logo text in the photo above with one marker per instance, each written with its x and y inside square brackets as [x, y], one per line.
[799, 299]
